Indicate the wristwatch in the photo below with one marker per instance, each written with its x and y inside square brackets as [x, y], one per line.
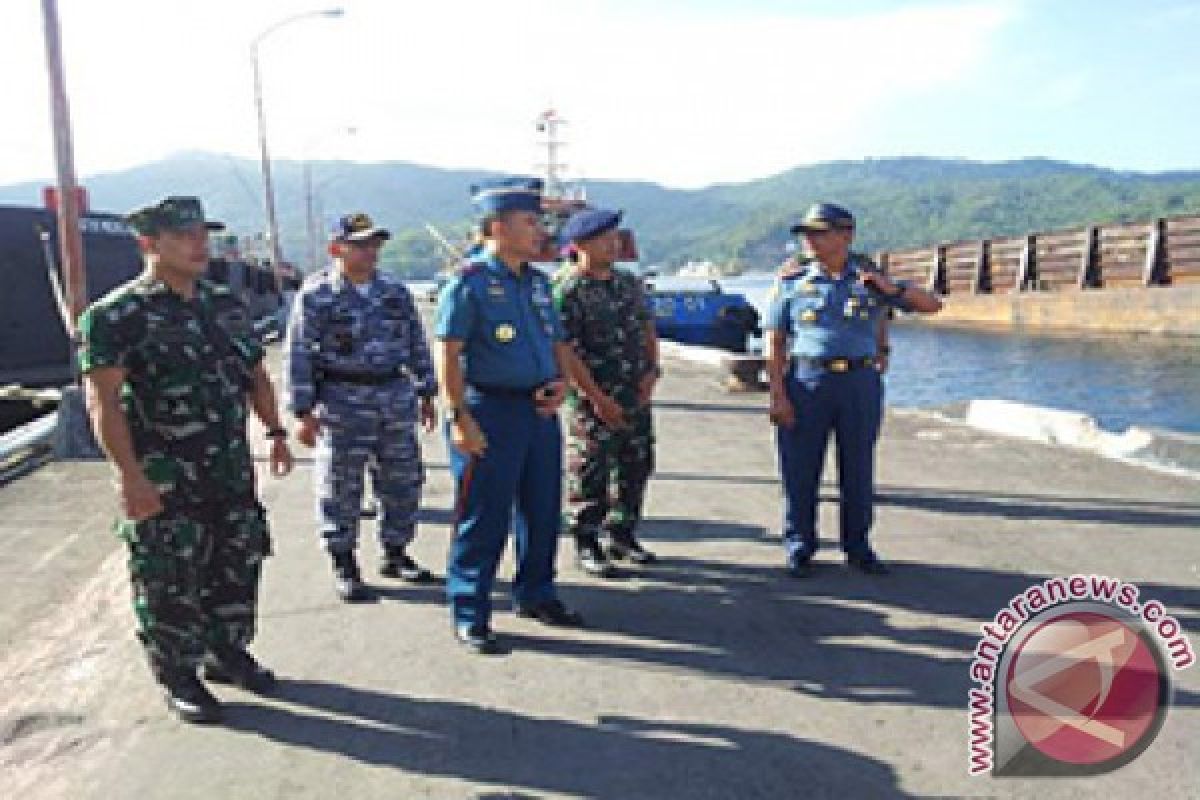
[277, 433]
[454, 413]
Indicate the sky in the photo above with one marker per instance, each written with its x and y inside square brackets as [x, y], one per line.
[686, 94]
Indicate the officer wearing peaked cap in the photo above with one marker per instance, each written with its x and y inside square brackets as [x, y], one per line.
[360, 377]
[501, 362]
[171, 365]
[822, 354]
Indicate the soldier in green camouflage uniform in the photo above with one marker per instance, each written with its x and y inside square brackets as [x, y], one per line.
[171, 363]
[611, 437]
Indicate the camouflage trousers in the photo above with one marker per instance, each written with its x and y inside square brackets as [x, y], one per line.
[349, 444]
[607, 473]
[195, 575]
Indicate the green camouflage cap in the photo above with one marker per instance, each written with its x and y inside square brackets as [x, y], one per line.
[170, 213]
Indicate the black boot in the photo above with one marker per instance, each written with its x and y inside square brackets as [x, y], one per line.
[235, 666]
[347, 581]
[590, 556]
[626, 546]
[190, 699]
[397, 563]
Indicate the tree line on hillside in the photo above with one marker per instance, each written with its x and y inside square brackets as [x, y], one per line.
[899, 202]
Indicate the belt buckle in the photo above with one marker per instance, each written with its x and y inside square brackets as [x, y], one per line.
[839, 365]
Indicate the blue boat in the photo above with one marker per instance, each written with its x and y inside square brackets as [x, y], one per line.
[702, 313]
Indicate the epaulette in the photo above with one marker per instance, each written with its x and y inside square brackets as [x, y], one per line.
[469, 268]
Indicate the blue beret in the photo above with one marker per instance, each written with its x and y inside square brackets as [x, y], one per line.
[516, 193]
[824, 217]
[588, 223]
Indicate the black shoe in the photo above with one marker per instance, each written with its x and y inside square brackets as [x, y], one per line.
[191, 701]
[477, 638]
[552, 613]
[799, 564]
[235, 666]
[591, 559]
[397, 563]
[347, 581]
[868, 563]
[628, 547]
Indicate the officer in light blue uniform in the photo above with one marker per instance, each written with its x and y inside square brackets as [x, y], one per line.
[502, 358]
[359, 379]
[822, 363]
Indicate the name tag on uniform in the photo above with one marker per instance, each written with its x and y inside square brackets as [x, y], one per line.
[234, 320]
[496, 292]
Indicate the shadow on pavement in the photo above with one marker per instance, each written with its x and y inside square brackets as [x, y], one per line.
[616, 757]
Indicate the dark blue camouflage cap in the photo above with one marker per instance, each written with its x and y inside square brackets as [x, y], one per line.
[514, 193]
[357, 227]
[824, 217]
[170, 213]
[589, 222]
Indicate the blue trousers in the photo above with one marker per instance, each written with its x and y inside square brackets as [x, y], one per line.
[351, 440]
[848, 405]
[516, 483]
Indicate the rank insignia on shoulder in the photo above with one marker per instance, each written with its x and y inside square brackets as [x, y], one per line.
[505, 333]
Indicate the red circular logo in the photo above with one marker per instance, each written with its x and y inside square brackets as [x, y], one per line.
[1086, 688]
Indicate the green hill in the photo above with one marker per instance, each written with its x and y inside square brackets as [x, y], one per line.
[900, 202]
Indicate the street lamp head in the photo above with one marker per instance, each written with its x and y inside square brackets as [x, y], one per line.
[333, 13]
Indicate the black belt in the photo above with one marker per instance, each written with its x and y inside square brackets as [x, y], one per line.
[504, 391]
[837, 364]
[359, 378]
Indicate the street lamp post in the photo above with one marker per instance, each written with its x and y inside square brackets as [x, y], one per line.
[268, 191]
[310, 218]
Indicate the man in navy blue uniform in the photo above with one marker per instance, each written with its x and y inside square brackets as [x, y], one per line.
[501, 363]
[822, 362]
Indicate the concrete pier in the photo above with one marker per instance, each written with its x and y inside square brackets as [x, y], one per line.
[710, 675]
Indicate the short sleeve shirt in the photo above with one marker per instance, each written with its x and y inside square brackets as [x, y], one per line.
[507, 323]
[188, 368]
[828, 316]
[606, 320]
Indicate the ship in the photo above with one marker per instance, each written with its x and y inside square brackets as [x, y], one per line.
[689, 313]
[35, 347]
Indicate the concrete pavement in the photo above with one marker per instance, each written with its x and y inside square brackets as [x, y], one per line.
[710, 675]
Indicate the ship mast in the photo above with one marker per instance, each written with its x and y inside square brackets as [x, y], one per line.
[554, 169]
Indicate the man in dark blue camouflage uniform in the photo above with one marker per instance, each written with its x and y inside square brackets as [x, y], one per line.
[359, 377]
[170, 363]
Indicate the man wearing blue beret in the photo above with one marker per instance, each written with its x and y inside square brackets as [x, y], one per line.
[609, 324]
[822, 362]
[502, 361]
